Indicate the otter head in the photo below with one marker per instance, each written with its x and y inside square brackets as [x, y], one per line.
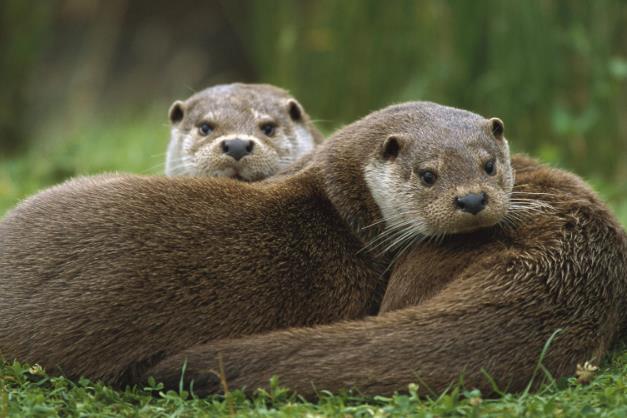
[242, 131]
[436, 171]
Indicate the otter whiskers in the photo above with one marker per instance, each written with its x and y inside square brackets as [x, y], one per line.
[398, 231]
[521, 209]
[285, 161]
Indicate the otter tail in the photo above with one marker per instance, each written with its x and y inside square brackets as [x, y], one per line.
[492, 344]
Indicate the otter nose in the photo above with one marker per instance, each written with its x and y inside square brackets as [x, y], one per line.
[471, 203]
[237, 148]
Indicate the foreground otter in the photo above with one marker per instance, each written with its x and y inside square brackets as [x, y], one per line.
[106, 276]
[489, 301]
[242, 131]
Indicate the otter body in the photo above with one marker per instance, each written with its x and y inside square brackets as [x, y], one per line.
[489, 300]
[105, 276]
[243, 131]
[109, 276]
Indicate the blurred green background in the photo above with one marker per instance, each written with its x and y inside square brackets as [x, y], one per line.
[86, 84]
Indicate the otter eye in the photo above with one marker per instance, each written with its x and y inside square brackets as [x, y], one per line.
[490, 167]
[428, 178]
[268, 128]
[205, 129]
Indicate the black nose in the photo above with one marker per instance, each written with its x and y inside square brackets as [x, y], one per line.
[472, 203]
[237, 148]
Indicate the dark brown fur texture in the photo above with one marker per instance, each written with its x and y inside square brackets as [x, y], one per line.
[487, 300]
[104, 276]
[275, 125]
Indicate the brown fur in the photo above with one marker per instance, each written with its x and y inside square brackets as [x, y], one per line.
[486, 301]
[238, 111]
[105, 276]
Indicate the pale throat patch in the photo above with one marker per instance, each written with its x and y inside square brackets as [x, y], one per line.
[395, 198]
[176, 160]
[382, 179]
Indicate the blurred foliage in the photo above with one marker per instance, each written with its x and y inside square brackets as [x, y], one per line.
[87, 83]
[121, 143]
[554, 71]
[22, 30]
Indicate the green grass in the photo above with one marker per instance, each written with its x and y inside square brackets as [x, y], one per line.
[30, 392]
[137, 144]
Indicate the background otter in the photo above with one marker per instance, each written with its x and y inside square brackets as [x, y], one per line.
[489, 301]
[243, 131]
[105, 276]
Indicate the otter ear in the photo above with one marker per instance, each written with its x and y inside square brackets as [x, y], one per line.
[177, 111]
[497, 127]
[295, 111]
[391, 148]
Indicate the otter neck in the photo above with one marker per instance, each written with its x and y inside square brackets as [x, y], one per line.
[344, 185]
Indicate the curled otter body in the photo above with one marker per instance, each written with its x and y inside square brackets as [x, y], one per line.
[242, 131]
[105, 276]
[489, 300]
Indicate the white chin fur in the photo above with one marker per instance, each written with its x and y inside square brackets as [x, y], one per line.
[176, 161]
[382, 180]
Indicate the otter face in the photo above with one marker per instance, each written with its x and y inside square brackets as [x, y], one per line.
[450, 174]
[243, 131]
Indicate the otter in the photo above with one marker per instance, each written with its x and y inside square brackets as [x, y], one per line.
[105, 276]
[243, 131]
[480, 307]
